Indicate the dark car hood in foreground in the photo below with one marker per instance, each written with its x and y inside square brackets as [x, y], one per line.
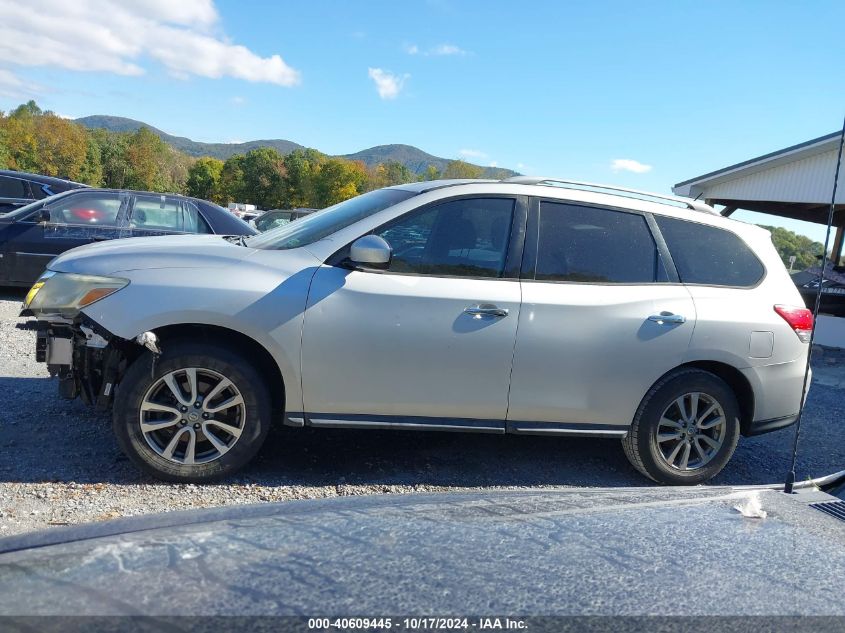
[622, 551]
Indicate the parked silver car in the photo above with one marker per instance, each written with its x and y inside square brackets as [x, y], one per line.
[519, 306]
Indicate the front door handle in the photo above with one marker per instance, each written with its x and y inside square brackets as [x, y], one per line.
[486, 309]
[667, 318]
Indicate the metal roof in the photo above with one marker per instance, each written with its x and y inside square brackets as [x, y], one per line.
[801, 173]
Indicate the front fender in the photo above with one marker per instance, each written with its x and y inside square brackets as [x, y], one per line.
[262, 305]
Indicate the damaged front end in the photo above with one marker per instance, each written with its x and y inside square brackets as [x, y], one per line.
[87, 359]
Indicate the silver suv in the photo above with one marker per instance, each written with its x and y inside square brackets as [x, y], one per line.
[528, 306]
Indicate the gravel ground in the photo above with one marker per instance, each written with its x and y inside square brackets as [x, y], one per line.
[59, 463]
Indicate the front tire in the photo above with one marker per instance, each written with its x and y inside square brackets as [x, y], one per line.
[685, 430]
[200, 414]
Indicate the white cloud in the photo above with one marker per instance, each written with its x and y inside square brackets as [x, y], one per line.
[115, 36]
[494, 163]
[237, 100]
[472, 153]
[438, 51]
[13, 87]
[447, 49]
[626, 164]
[388, 84]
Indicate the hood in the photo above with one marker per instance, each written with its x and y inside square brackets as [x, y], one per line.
[565, 552]
[142, 253]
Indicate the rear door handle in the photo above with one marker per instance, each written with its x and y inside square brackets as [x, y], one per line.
[486, 309]
[667, 318]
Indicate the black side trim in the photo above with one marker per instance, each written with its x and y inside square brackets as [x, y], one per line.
[563, 428]
[773, 424]
[418, 423]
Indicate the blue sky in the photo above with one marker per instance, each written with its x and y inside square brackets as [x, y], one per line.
[551, 88]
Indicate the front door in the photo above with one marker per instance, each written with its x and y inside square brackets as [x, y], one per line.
[600, 323]
[427, 342]
[75, 219]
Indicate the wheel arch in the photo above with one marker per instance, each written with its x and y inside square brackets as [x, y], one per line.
[238, 342]
[734, 378]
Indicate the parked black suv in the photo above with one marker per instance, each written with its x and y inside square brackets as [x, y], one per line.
[18, 188]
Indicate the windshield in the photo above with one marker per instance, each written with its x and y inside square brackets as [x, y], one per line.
[323, 223]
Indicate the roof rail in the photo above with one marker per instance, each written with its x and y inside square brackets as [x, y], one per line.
[633, 193]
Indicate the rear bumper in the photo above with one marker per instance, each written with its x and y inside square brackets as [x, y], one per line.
[777, 395]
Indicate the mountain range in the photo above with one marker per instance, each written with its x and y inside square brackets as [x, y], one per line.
[412, 157]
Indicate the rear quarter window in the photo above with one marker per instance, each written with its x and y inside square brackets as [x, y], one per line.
[709, 255]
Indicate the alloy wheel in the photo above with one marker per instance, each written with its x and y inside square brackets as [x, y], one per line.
[192, 415]
[691, 431]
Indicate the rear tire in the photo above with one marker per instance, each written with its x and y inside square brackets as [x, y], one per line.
[685, 430]
[201, 414]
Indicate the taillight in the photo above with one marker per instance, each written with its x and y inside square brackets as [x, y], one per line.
[799, 319]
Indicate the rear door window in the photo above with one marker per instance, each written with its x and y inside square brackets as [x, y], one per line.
[595, 245]
[192, 219]
[709, 255]
[152, 214]
[13, 188]
[157, 213]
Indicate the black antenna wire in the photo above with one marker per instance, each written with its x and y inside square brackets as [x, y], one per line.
[790, 476]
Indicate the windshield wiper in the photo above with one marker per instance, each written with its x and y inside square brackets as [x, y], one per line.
[240, 240]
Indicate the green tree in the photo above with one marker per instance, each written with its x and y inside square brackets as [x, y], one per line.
[431, 173]
[114, 158]
[91, 172]
[4, 148]
[147, 156]
[61, 146]
[397, 173]
[339, 180]
[302, 168]
[28, 109]
[232, 180]
[788, 243]
[204, 178]
[462, 169]
[21, 141]
[263, 173]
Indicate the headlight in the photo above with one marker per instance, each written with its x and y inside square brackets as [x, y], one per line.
[67, 293]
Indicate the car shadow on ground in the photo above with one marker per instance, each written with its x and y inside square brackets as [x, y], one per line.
[8, 293]
[44, 438]
[50, 439]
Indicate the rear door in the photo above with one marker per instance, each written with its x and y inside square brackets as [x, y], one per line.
[75, 219]
[602, 318]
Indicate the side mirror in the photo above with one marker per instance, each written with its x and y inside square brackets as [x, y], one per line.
[370, 251]
[43, 215]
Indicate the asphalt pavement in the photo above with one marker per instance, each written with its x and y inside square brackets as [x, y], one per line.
[59, 462]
